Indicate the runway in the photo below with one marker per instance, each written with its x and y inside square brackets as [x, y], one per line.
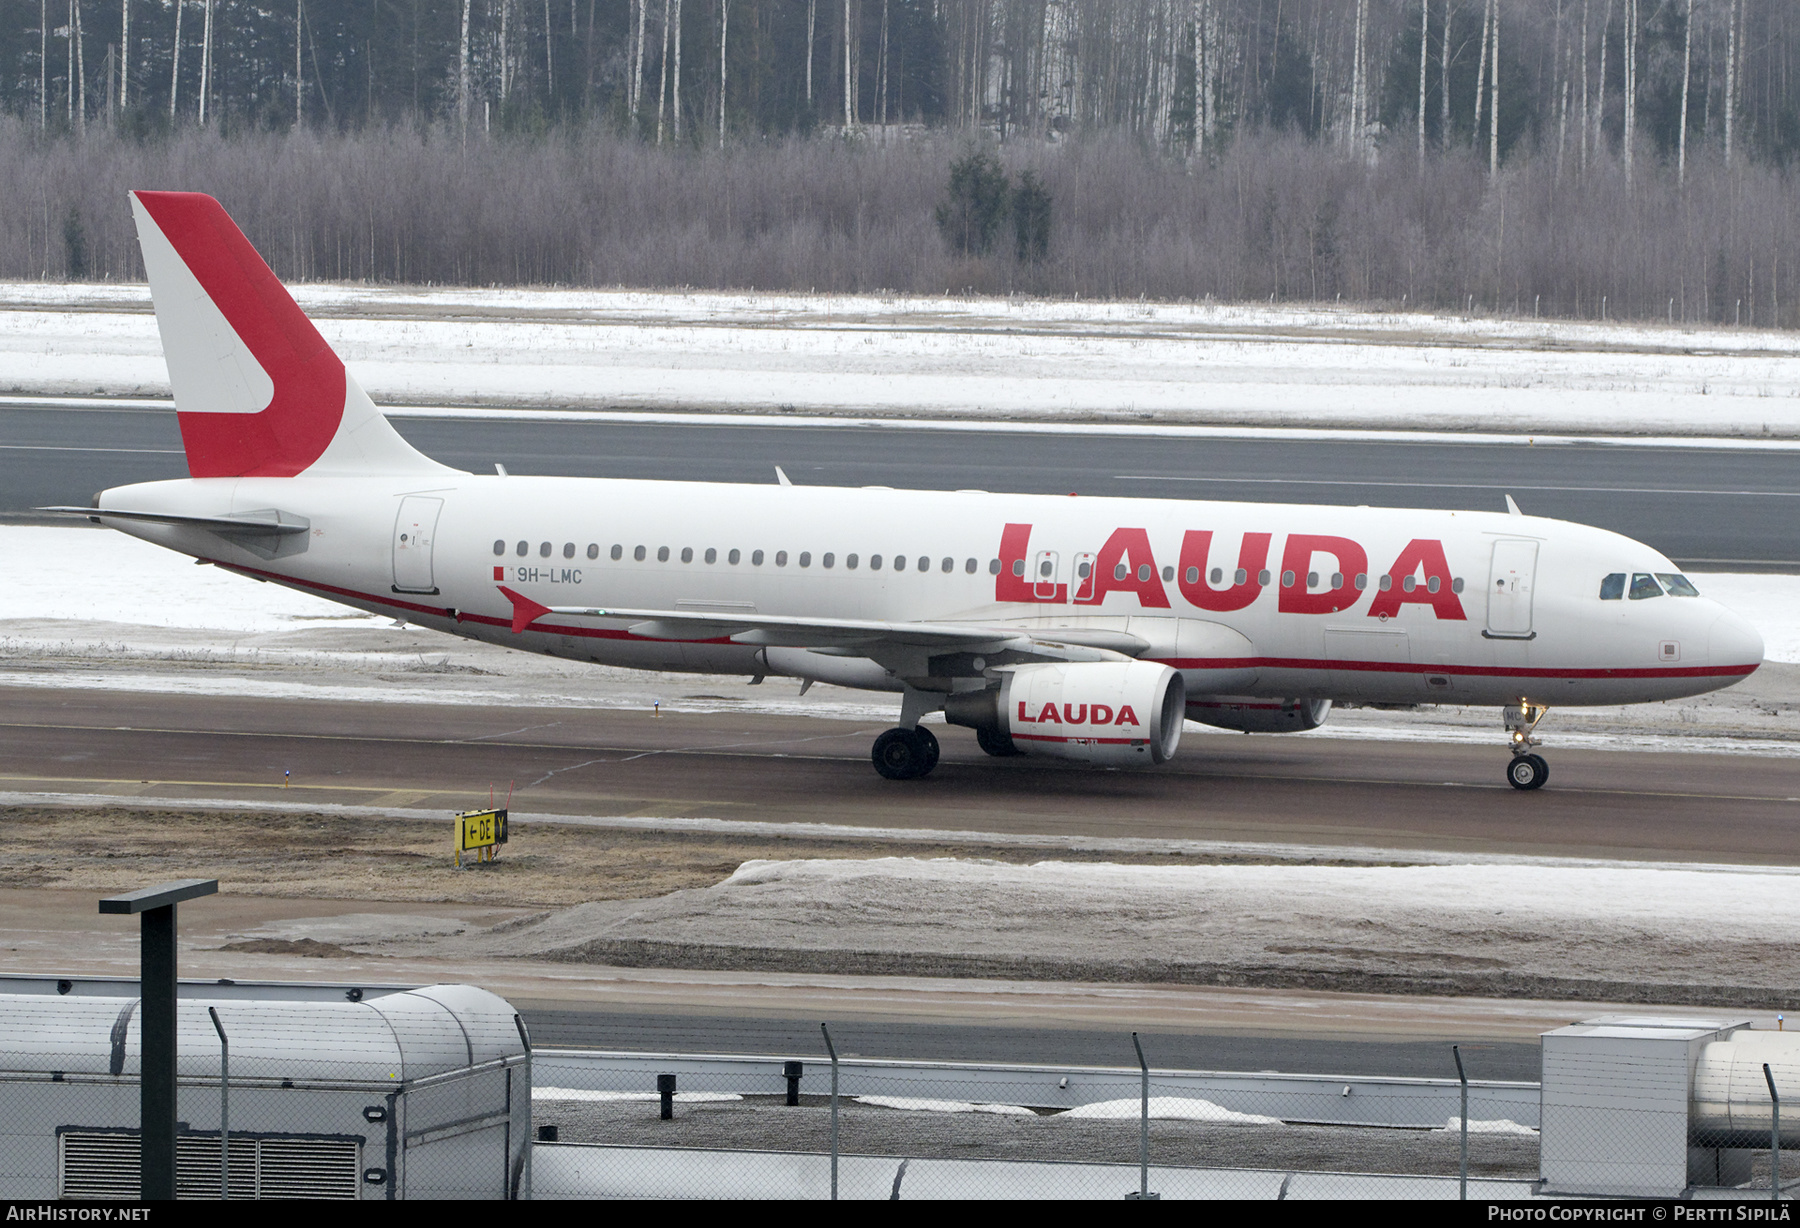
[1303, 790]
[1708, 508]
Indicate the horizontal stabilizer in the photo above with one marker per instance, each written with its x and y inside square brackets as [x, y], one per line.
[253, 524]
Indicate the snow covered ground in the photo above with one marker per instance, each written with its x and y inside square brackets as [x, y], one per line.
[969, 358]
[91, 608]
[1544, 927]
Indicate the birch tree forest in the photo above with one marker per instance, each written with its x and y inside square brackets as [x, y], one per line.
[1596, 158]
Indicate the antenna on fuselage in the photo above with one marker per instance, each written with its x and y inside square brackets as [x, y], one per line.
[782, 477]
[1512, 508]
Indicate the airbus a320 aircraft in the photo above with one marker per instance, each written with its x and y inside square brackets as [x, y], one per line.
[1076, 628]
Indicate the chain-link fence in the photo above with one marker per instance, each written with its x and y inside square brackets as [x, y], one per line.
[646, 1125]
[389, 1093]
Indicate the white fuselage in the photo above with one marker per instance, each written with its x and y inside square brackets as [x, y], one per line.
[1532, 627]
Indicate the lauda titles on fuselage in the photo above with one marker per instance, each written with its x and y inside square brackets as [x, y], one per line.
[1084, 629]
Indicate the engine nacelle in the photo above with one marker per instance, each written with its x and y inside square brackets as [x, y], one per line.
[1249, 715]
[1118, 713]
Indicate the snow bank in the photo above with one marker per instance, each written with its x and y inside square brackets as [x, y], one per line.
[582, 1093]
[918, 1105]
[968, 358]
[1168, 1108]
[1502, 1126]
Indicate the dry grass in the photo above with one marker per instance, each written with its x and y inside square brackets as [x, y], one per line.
[322, 856]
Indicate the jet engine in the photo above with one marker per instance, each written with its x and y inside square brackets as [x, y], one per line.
[1115, 713]
[1250, 715]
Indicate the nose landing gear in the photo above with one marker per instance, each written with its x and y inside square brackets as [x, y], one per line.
[1527, 770]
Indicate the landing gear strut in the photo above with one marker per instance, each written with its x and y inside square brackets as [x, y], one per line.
[905, 754]
[1527, 770]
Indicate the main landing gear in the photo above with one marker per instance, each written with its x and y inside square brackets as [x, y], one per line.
[905, 754]
[1527, 770]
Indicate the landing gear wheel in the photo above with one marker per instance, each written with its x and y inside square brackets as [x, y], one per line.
[996, 742]
[902, 754]
[1527, 772]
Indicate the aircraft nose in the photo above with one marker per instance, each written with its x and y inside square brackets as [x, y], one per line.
[1734, 641]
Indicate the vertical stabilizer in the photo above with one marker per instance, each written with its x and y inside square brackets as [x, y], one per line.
[258, 391]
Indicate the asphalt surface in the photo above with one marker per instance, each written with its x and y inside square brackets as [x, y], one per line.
[1716, 509]
[1300, 789]
[939, 1042]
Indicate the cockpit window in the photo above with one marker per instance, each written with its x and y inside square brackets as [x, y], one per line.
[1678, 585]
[1613, 587]
[1643, 585]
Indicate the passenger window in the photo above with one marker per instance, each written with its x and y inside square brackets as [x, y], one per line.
[524, 548]
[1143, 573]
[756, 557]
[1409, 583]
[1432, 585]
[874, 562]
[499, 548]
[1084, 570]
[826, 560]
[1362, 581]
[993, 567]
[544, 550]
[1312, 579]
[925, 563]
[781, 558]
[1287, 579]
[1239, 576]
[593, 550]
[662, 554]
[1613, 587]
[970, 566]
[947, 566]
[1193, 575]
[687, 554]
[618, 552]
[712, 556]
[638, 554]
[1644, 585]
[1018, 566]
[733, 558]
[1262, 577]
[568, 550]
[1386, 583]
[850, 561]
[1678, 585]
[805, 558]
[1337, 580]
[1119, 572]
[1456, 585]
[1168, 574]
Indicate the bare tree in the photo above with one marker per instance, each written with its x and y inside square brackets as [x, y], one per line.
[662, 85]
[80, 68]
[549, 54]
[44, 62]
[724, 27]
[675, 91]
[1600, 87]
[1731, 64]
[1687, 60]
[849, 70]
[1584, 86]
[1424, 44]
[206, 58]
[812, 15]
[299, 76]
[637, 66]
[506, 60]
[175, 69]
[1494, 103]
[1487, 22]
[1444, 78]
[1630, 129]
[124, 54]
[462, 73]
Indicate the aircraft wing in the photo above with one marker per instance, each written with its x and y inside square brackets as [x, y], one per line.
[851, 636]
